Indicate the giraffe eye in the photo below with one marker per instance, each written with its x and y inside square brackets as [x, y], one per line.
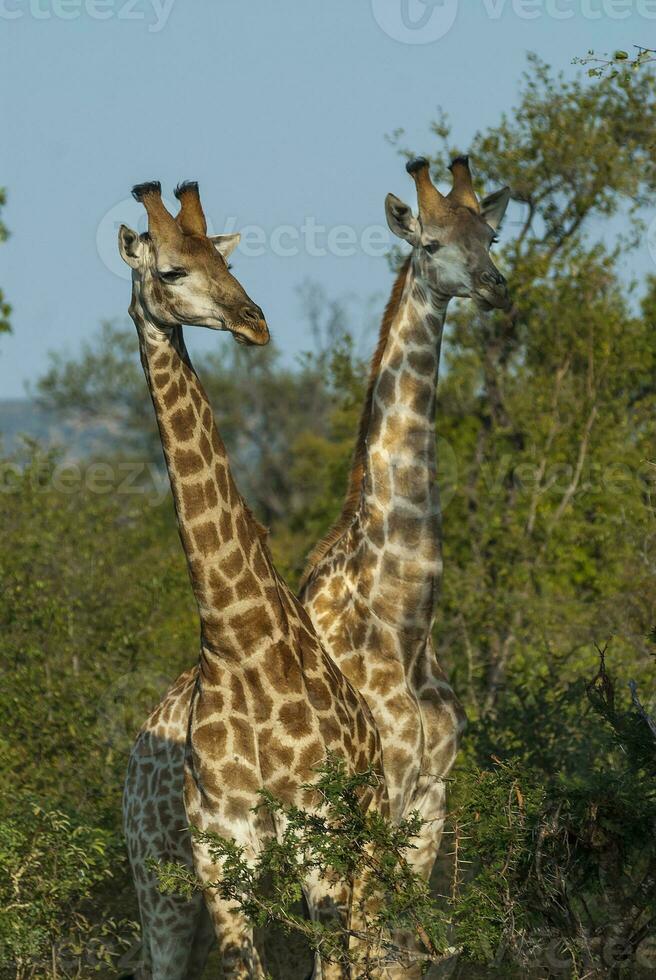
[432, 247]
[171, 275]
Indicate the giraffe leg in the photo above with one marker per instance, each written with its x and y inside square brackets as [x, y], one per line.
[203, 941]
[234, 934]
[432, 808]
[155, 829]
[328, 905]
[169, 927]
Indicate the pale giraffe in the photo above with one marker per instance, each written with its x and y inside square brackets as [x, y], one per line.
[267, 704]
[370, 585]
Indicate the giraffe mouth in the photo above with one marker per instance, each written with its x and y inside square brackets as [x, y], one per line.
[492, 301]
[251, 336]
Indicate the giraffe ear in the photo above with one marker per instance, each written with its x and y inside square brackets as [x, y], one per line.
[401, 220]
[130, 246]
[493, 207]
[225, 244]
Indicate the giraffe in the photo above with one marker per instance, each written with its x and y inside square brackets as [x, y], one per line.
[370, 586]
[267, 703]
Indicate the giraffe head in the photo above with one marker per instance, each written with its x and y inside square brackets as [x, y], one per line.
[182, 274]
[452, 235]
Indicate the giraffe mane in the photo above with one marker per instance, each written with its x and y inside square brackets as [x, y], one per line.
[356, 476]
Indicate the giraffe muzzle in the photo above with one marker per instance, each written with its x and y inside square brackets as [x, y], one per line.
[493, 291]
[251, 327]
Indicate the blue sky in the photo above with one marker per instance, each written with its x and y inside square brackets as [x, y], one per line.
[278, 109]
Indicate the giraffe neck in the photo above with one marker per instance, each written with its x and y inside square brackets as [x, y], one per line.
[227, 559]
[400, 509]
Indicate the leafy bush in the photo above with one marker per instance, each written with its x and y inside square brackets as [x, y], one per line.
[341, 843]
[53, 872]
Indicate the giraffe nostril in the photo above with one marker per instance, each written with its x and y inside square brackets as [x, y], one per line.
[493, 278]
[252, 314]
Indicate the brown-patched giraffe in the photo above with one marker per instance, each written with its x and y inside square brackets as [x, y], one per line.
[370, 586]
[267, 703]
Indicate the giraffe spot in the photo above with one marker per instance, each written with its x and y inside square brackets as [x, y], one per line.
[171, 395]
[391, 567]
[182, 384]
[251, 625]
[285, 787]
[237, 691]
[409, 482]
[244, 741]
[233, 564]
[311, 756]
[422, 362]
[225, 525]
[205, 448]
[207, 538]
[220, 589]
[237, 808]
[273, 754]
[211, 494]
[246, 587]
[309, 653]
[281, 669]
[244, 532]
[161, 379]
[193, 499]
[353, 666]
[187, 462]
[423, 399]
[260, 700]
[162, 360]
[235, 775]
[395, 361]
[221, 480]
[382, 680]
[259, 564]
[405, 529]
[296, 718]
[183, 423]
[196, 399]
[385, 387]
[217, 445]
[210, 739]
